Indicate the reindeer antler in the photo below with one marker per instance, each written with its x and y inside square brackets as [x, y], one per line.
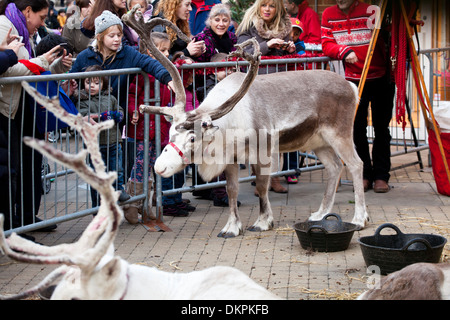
[144, 30]
[93, 244]
[254, 61]
[230, 103]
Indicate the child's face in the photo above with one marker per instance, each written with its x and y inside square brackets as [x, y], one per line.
[295, 34]
[224, 73]
[143, 4]
[164, 47]
[92, 85]
[112, 39]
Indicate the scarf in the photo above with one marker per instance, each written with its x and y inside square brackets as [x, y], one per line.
[222, 44]
[20, 23]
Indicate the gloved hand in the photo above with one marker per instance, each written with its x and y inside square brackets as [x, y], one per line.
[117, 116]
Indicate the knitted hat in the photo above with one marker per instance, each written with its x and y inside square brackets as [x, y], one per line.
[106, 20]
[297, 24]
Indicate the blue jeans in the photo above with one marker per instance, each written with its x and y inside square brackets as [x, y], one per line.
[174, 182]
[112, 156]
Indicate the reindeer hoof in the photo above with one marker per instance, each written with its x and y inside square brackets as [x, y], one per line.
[223, 234]
[361, 224]
[254, 229]
[259, 228]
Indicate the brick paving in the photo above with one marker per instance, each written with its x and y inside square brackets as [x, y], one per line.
[274, 258]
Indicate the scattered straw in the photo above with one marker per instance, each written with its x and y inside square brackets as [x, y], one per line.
[173, 265]
[327, 294]
[257, 237]
[284, 230]
[362, 279]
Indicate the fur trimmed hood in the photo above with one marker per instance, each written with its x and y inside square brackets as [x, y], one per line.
[265, 33]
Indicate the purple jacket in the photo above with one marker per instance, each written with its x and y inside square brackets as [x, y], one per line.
[215, 44]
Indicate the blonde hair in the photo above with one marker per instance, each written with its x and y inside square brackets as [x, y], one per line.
[254, 13]
[218, 10]
[101, 45]
[168, 8]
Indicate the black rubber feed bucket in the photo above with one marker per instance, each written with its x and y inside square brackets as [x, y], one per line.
[326, 235]
[394, 252]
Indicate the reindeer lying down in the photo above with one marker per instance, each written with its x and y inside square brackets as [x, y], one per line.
[418, 281]
[89, 268]
[295, 110]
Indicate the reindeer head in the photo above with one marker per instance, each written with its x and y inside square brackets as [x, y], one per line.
[80, 260]
[191, 132]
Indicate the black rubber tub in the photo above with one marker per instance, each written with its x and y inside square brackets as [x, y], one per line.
[326, 235]
[393, 252]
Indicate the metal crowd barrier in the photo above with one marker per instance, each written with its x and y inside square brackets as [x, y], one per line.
[66, 197]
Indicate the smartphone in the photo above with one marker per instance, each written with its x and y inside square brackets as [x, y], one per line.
[20, 39]
[284, 45]
[63, 46]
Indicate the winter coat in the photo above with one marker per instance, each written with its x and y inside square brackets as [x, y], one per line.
[263, 36]
[343, 34]
[8, 58]
[10, 93]
[214, 44]
[126, 57]
[199, 14]
[311, 24]
[135, 99]
[74, 36]
[97, 104]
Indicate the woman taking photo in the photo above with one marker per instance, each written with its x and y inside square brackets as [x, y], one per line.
[215, 35]
[269, 23]
[21, 19]
[177, 12]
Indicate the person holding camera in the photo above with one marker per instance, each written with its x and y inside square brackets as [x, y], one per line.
[21, 19]
[268, 22]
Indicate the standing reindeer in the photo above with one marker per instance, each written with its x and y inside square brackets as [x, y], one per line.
[296, 110]
[89, 268]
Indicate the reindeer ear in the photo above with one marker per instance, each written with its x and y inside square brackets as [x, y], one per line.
[111, 270]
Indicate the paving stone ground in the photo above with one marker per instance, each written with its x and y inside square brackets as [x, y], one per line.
[274, 258]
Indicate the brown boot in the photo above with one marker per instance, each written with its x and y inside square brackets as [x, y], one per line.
[381, 186]
[131, 211]
[276, 186]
